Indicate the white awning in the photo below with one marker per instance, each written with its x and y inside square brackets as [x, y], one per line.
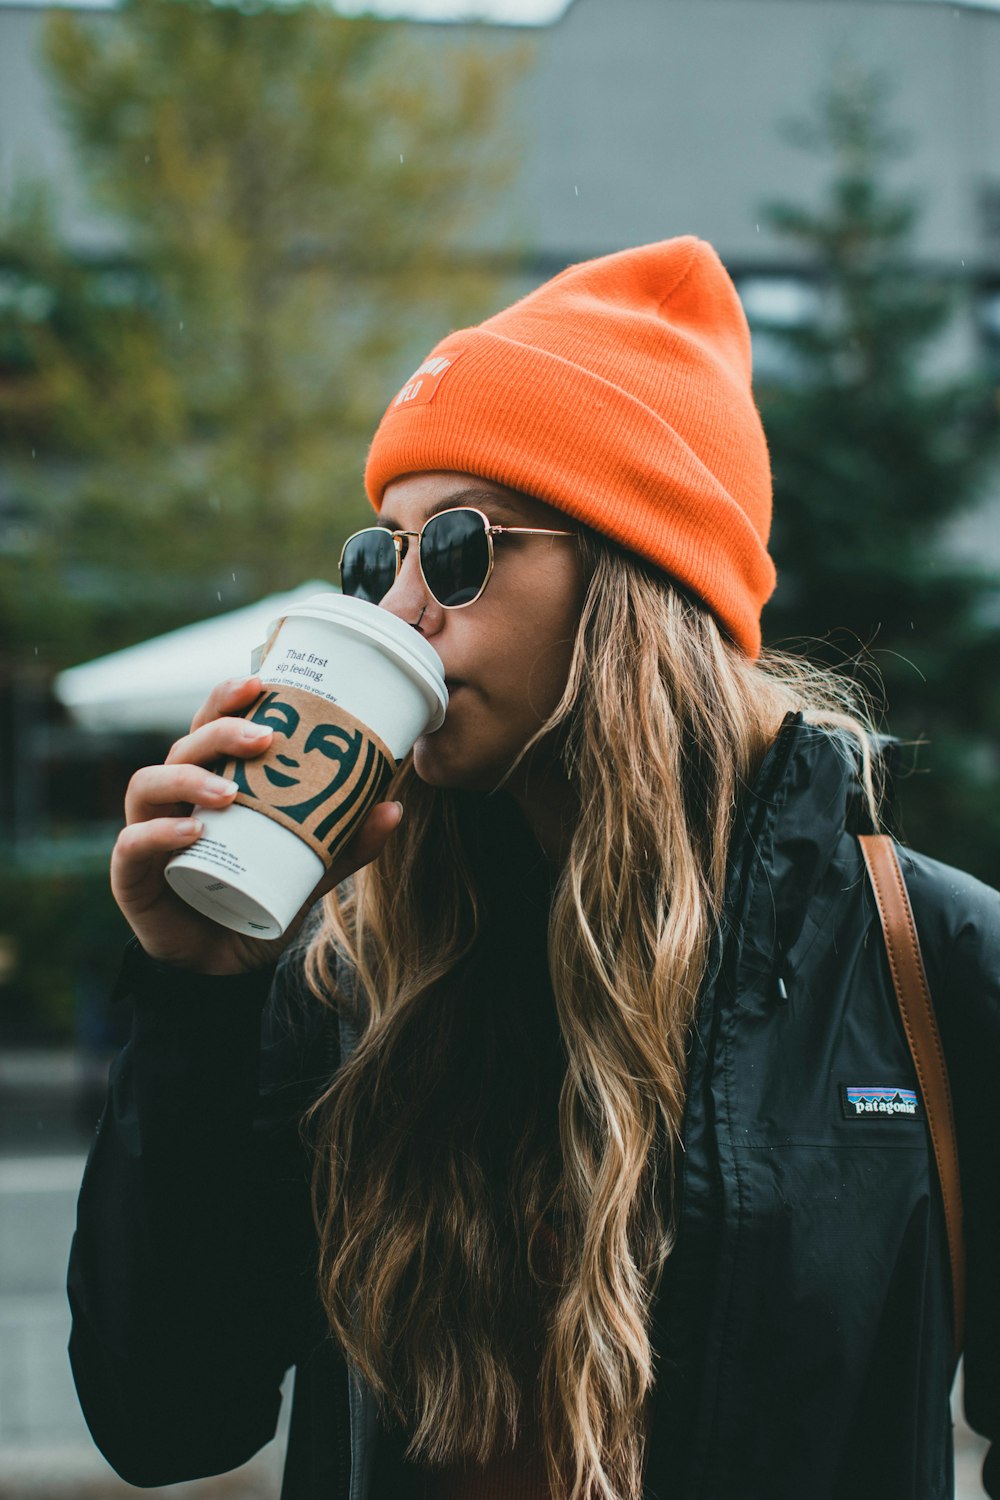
[156, 686]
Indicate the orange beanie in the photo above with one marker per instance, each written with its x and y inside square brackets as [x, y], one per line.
[619, 392]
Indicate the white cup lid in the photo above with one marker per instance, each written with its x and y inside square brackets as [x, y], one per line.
[414, 654]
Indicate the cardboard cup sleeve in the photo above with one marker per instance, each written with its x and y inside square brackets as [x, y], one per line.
[321, 774]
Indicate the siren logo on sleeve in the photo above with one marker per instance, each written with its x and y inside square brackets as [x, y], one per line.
[321, 773]
[880, 1102]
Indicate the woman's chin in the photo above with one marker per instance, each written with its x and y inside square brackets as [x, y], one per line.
[440, 760]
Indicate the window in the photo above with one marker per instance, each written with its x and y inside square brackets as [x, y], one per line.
[775, 304]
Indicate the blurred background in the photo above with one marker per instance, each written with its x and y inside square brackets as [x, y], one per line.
[227, 234]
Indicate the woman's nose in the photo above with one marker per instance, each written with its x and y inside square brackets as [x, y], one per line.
[409, 598]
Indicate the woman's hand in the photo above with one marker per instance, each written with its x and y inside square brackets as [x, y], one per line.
[161, 817]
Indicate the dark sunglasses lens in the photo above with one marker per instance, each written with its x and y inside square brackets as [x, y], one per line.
[455, 556]
[368, 567]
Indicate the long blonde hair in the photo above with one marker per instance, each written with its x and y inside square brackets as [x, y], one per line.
[493, 1172]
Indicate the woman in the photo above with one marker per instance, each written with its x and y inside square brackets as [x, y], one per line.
[538, 1168]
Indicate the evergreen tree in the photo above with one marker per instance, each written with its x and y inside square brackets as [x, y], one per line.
[286, 183]
[875, 451]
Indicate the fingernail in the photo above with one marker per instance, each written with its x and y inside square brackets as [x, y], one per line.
[255, 731]
[190, 825]
[220, 784]
[399, 814]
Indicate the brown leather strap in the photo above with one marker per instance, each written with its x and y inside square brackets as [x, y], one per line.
[917, 1010]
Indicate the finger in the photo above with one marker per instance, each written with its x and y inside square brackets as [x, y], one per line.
[227, 698]
[220, 739]
[157, 791]
[366, 845]
[140, 849]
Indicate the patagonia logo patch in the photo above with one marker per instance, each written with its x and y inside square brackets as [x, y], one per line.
[425, 382]
[883, 1101]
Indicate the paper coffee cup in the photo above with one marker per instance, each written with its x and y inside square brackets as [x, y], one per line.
[348, 688]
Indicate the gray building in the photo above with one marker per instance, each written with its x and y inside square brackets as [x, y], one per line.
[639, 119]
[644, 118]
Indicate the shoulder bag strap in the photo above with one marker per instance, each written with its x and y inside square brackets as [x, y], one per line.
[917, 1010]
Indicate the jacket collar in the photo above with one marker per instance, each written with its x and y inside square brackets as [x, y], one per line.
[806, 797]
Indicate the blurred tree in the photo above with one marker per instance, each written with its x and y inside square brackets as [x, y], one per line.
[60, 945]
[81, 383]
[875, 448]
[286, 183]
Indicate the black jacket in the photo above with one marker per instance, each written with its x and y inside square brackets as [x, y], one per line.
[803, 1325]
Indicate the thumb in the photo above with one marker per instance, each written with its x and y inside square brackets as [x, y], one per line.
[366, 844]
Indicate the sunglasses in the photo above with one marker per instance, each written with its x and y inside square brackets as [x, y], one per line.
[455, 552]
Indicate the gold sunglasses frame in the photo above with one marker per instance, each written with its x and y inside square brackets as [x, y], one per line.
[401, 546]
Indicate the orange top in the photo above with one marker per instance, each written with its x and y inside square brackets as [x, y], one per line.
[519, 1475]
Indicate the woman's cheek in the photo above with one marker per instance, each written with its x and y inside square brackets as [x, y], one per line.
[473, 749]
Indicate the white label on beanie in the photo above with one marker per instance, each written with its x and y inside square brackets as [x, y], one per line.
[423, 384]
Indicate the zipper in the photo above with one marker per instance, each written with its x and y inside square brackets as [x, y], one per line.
[364, 1425]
